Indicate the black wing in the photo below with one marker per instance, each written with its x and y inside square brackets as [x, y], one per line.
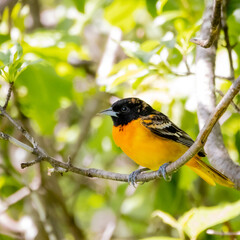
[159, 124]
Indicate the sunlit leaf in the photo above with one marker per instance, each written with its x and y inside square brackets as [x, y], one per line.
[131, 74]
[16, 51]
[168, 16]
[17, 17]
[170, 220]
[5, 58]
[138, 81]
[133, 49]
[166, 218]
[149, 45]
[161, 4]
[121, 14]
[199, 219]
[45, 89]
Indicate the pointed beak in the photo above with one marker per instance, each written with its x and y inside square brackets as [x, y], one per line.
[109, 112]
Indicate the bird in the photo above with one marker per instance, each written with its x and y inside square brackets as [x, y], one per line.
[153, 141]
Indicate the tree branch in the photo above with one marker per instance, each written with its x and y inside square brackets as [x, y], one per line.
[144, 177]
[24, 133]
[225, 77]
[207, 128]
[205, 87]
[237, 109]
[213, 232]
[214, 29]
[225, 30]
[184, 74]
[6, 3]
[28, 164]
[14, 198]
[14, 141]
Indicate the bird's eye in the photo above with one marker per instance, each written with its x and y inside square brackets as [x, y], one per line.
[124, 109]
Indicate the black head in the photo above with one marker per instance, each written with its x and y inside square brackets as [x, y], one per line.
[125, 110]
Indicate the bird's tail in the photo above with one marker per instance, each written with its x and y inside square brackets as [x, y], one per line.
[208, 173]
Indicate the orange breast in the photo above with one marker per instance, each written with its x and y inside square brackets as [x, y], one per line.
[144, 147]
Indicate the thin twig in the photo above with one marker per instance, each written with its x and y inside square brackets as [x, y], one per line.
[225, 30]
[28, 164]
[24, 132]
[215, 26]
[237, 109]
[213, 232]
[182, 74]
[186, 64]
[14, 198]
[14, 141]
[8, 95]
[230, 78]
[193, 73]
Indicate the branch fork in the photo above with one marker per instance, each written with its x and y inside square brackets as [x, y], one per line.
[215, 27]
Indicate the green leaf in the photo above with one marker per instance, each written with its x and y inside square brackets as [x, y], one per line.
[121, 13]
[12, 55]
[161, 3]
[43, 95]
[232, 6]
[80, 5]
[166, 218]
[5, 58]
[131, 74]
[138, 82]
[14, 69]
[198, 220]
[152, 7]
[18, 17]
[16, 51]
[4, 38]
[237, 141]
[149, 45]
[133, 49]
[169, 220]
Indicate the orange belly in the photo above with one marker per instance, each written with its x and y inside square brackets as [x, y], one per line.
[144, 147]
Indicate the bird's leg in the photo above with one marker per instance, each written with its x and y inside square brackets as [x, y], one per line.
[162, 171]
[132, 176]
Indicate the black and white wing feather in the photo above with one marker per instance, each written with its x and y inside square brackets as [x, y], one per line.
[159, 124]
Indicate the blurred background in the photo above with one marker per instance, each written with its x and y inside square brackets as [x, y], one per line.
[70, 59]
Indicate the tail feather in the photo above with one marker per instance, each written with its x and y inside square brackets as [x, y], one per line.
[208, 173]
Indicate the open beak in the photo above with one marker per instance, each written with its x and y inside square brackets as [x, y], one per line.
[109, 112]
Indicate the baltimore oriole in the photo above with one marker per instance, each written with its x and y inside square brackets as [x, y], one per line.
[150, 139]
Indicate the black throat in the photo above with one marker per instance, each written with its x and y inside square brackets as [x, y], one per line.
[123, 120]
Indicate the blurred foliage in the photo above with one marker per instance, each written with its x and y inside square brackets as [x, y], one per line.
[58, 91]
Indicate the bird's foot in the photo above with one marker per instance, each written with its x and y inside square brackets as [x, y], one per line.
[132, 176]
[162, 171]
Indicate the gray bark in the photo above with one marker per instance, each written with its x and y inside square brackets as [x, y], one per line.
[205, 87]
